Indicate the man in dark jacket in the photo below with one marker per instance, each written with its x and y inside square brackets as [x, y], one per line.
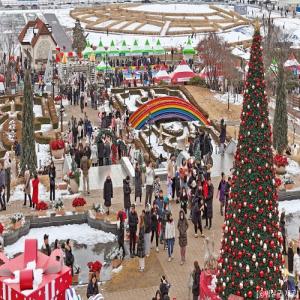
[46, 247]
[132, 222]
[209, 204]
[127, 192]
[106, 153]
[148, 227]
[100, 149]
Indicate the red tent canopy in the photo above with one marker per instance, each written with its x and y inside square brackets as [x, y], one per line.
[182, 73]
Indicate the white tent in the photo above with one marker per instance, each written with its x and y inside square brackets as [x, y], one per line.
[182, 73]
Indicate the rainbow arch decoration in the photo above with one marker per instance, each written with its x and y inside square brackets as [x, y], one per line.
[166, 108]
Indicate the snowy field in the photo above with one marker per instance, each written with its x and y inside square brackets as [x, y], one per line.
[236, 99]
[292, 212]
[90, 237]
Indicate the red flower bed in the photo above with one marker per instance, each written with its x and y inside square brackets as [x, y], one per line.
[280, 160]
[1, 228]
[42, 206]
[78, 201]
[57, 144]
[58, 98]
[278, 182]
[94, 266]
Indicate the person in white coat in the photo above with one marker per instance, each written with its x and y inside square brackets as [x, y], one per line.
[170, 235]
[149, 180]
[94, 155]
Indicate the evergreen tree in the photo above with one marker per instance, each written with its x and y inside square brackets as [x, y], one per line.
[280, 125]
[28, 155]
[251, 258]
[79, 40]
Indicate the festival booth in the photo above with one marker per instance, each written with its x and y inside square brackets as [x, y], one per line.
[292, 64]
[34, 275]
[103, 67]
[112, 50]
[183, 73]
[158, 50]
[136, 49]
[124, 50]
[147, 50]
[87, 51]
[162, 75]
[100, 50]
[188, 51]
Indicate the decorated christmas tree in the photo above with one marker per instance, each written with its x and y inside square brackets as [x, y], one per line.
[28, 155]
[251, 259]
[79, 40]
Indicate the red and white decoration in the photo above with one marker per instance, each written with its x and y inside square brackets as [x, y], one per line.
[208, 281]
[162, 75]
[182, 73]
[34, 276]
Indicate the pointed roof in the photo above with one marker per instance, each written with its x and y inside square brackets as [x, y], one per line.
[102, 67]
[112, 50]
[124, 50]
[182, 73]
[147, 48]
[189, 49]
[162, 75]
[159, 49]
[100, 49]
[87, 50]
[136, 49]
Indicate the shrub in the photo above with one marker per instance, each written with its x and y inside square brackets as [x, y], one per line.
[198, 81]
[57, 145]
[78, 201]
[94, 266]
[42, 206]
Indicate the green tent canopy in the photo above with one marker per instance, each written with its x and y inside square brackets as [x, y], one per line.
[113, 51]
[147, 48]
[102, 67]
[124, 50]
[100, 50]
[159, 49]
[87, 51]
[188, 49]
[136, 49]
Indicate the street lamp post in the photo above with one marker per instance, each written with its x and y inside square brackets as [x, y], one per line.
[150, 131]
[106, 58]
[53, 83]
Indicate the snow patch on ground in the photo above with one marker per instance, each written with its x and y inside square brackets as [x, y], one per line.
[37, 110]
[90, 237]
[293, 167]
[236, 99]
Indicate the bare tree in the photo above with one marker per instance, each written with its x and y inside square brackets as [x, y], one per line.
[7, 45]
[216, 58]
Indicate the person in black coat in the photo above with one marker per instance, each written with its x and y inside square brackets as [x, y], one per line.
[290, 254]
[127, 192]
[196, 281]
[222, 136]
[133, 221]
[100, 149]
[52, 175]
[154, 225]
[209, 204]
[92, 289]
[120, 234]
[108, 193]
[69, 255]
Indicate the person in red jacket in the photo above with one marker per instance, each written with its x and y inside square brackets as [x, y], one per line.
[35, 190]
